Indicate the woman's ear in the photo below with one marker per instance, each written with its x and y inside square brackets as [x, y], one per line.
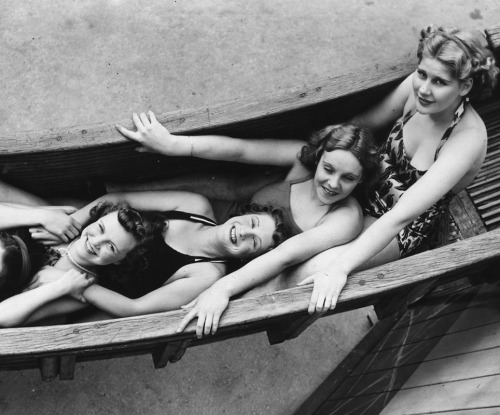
[466, 87]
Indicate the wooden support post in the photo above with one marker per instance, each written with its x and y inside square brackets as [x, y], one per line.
[67, 367]
[291, 328]
[465, 216]
[49, 368]
[169, 352]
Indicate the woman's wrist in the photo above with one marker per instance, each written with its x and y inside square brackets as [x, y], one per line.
[224, 287]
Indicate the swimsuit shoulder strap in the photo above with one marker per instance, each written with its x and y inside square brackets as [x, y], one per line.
[192, 217]
[459, 113]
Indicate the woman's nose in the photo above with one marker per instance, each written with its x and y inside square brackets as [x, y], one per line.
[334, 182]
[245, 231]
[424, 88]
[96, 240]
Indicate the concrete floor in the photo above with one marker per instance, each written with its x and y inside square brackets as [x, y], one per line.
[68, 63]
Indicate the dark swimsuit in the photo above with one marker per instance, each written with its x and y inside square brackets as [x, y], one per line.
[164, 261]
[275, 194]
[398, 175]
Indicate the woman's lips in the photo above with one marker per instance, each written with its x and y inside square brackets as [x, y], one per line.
[232, 235]
[89, 248]
[424, 101]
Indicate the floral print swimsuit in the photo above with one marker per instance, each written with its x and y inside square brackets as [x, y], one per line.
[398, 175]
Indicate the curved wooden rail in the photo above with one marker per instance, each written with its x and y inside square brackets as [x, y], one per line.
[62, 161]
[22, 347]
[42, 161]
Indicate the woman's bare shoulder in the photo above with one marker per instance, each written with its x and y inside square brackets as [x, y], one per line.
[348, 206]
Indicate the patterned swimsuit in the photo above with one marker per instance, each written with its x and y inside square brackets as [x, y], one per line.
[397, 175]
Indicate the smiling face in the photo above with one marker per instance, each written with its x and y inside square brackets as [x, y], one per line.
[103, 242]
[337, 174]
[436, 89]
[247, 236]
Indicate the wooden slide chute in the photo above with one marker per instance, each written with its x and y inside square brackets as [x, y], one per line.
[63, 161]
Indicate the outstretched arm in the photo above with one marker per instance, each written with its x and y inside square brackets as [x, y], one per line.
[456, 159]
[161, 200]
[55, 220]
[188, 283]
[155, 200]
[154, 137]
[388, 110]
[16, 310]
[340, 227]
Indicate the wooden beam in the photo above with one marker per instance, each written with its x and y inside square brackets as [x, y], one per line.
[248, 314]
[219, 115]
[465, 215]
[49, 368]
[169, 352]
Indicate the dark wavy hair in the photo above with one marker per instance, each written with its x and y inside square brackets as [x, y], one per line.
[465, 53]
[144, 226]
[12, 280]
[357, 140]
[279, 234]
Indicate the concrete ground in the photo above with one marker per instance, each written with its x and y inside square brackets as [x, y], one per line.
[68, 63]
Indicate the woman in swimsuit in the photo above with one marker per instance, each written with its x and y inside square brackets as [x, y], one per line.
[117, 234]
[188, 256]
[316, 195]
[433, 152]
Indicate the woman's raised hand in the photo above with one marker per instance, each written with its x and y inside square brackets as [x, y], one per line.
[326, 290]
[209, 307]
[72, 282]
[76, 283]
[150, 134]
[57, 226]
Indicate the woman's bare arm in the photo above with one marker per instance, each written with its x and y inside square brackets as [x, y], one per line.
[154, 137]
[18, 309]
[187, 284]
[456, 159]
[341, 226]
[388, 110]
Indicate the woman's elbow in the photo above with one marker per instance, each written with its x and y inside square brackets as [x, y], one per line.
[6, 321]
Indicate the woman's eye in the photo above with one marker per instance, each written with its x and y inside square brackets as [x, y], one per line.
[421, 74]
[111, 247]
[440, 82]
[101, 228]
[254, 243]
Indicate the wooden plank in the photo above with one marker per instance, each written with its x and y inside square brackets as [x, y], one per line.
[460, 367]
[448, 369]
[169, 352]
[258, 312]
[494, 410]
[49, 368]
[428, 322]
[290, 328]
[335, 379]
[493, 37]
[465, 215]
[229, 113]
[341, 382]
[461, 395]
[475, 339]
[366, 404]
[67, 367]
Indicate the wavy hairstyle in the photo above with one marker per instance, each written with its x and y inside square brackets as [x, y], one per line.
[465, 53]
[357, 140]
[12, 278]
[144, 226]
[279, 234]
